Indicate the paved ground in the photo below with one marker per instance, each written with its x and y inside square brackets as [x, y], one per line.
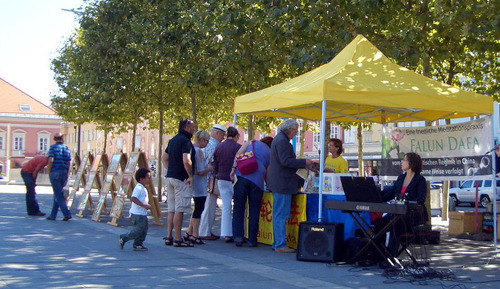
[36, 253]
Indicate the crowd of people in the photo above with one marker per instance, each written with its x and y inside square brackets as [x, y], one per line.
[207, 169]
[200, 171]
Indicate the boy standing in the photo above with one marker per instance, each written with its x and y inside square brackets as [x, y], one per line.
[138, 212]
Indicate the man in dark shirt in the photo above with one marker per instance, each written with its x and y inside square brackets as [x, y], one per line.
[179, 161]
[283, 181]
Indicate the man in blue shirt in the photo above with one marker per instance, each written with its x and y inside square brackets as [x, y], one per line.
[59, 161]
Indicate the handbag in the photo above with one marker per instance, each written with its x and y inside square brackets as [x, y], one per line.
[247, 162]
[212, 187]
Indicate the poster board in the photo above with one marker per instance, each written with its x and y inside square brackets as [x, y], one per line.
[80, 178]
[80, 173]
[93, 177]
[75, 163]
[108, 185]
[152, 195]
[127, 183]
[298, 214]
[331, 184]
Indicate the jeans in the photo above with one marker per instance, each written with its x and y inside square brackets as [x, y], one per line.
[31, 203]
[242, 190]
[282, 204]
[58, 180]
[139, 231]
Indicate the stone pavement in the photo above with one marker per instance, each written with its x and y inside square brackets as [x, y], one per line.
[80, 253]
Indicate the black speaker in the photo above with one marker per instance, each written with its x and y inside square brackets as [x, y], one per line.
[320, 242]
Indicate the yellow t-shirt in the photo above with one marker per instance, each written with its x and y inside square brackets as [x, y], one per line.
[337, 165]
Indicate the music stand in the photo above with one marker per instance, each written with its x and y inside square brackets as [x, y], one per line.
[360, 189]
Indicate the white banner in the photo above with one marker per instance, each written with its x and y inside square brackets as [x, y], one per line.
[447, 151]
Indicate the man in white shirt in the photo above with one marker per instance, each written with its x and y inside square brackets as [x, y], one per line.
[217, 135]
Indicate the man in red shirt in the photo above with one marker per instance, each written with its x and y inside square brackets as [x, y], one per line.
[29, 172]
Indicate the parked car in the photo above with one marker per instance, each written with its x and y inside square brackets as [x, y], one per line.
[466, 192]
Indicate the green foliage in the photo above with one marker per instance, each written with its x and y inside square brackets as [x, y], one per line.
[131, 59]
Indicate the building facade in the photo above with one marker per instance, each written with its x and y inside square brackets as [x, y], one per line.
[91, 141]
[26, 127]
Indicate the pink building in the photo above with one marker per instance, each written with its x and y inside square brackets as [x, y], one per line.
[26, 127]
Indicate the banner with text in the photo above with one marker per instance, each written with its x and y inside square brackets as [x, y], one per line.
[448, 152]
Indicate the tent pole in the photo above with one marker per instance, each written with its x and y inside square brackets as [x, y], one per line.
[494, 127]
[321, 159]
[235, 116]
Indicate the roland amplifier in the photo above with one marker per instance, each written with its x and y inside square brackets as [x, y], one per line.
[320, 242]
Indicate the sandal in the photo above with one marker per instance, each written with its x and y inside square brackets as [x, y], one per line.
[196, 240]
[187, 237]
[180, 243]
[168, 241]
[210, 238]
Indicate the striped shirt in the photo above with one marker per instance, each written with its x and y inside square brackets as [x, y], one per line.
[61, 155]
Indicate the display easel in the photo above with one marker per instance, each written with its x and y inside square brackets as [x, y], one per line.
[79, 177]
[153, 197]
[93, 177]
[114, 169]
[127, 183]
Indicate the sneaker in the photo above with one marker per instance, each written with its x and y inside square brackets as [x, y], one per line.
[121, 242]
[140, 248]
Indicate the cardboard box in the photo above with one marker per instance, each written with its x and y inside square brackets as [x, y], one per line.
[463, 222]
[489, 207]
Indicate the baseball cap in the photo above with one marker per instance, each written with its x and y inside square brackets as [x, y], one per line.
[220, 127]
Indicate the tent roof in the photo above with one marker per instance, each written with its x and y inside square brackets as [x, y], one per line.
[362, 84]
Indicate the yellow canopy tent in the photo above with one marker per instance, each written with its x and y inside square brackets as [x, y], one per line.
[362, 84]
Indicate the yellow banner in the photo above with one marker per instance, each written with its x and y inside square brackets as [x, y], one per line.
[297, 215]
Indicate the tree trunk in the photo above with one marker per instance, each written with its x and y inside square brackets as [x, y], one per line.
[250, 127]
[105, 140]
[361, 169]
[159, 167]
[134, 131]
[194, 114]
[328, 132]
[302, 137]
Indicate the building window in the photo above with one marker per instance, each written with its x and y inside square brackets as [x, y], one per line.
[43, 144]
[411, 124]
[317, 137]
[1, 142]
[334, 131]
[24, 107]
[19, 143]
[18, 138]
[137, 142]
[119, 143]
[350, 135]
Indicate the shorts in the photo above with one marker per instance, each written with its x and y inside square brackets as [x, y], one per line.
[179, 196]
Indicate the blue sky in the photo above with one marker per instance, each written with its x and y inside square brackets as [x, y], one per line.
[31, 32]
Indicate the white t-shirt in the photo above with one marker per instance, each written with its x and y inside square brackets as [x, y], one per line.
[141, 194]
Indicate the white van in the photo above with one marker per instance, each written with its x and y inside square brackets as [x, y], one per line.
[466, 192]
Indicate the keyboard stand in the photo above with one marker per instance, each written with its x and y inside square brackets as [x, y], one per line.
[374, 240]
